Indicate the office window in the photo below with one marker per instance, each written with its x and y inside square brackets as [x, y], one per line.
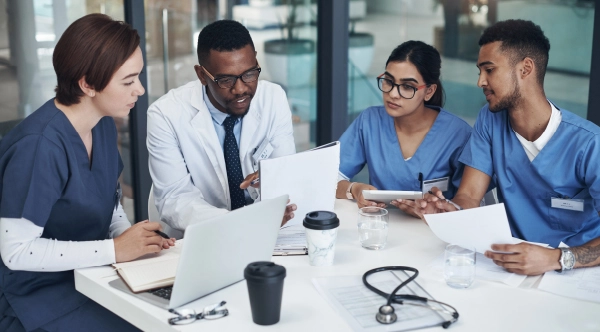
[285, 37]
[454, 28]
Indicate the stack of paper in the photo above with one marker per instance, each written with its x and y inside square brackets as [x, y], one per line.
[291, 241]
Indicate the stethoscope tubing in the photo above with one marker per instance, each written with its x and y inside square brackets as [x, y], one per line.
[400, 299]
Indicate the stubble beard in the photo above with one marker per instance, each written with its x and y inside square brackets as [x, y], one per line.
[509, 102]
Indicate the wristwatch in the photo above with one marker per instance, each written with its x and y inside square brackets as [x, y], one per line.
[348, 192]
[567, 260]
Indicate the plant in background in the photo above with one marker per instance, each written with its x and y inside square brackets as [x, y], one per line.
[290, 55]
[290, 22]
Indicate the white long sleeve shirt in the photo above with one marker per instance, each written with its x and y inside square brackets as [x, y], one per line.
[23, 248]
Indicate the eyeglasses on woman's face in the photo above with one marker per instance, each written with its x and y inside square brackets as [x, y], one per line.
[405, 90]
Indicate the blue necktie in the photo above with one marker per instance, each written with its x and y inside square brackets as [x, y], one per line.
[233, 165]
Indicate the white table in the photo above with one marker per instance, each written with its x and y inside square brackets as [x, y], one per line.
[485, 306]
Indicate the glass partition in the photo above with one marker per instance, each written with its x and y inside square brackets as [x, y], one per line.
[454, 28]
[285, 37]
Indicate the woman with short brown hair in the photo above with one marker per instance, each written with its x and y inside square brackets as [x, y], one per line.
[59, 192]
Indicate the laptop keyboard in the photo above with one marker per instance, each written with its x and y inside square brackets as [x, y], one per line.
[164, 292]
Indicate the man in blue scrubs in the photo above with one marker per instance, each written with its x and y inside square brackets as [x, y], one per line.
[544, 160]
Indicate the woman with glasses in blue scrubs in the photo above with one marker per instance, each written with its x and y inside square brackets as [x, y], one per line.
[59, 192]
[408, 140]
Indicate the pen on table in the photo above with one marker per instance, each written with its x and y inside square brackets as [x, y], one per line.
[449, 201]
[162, 234]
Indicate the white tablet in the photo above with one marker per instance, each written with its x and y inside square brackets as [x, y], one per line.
[386, 196]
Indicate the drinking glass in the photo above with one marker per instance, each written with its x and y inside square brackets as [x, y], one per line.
[459, 266]
[373, 227]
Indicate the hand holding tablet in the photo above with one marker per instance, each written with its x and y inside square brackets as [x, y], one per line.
[386, 196]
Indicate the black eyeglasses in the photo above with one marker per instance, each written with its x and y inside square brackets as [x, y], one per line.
[186, 316]
[228, 81]
[406, 91]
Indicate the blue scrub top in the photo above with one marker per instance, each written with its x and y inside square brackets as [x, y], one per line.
[567, 167]
[371, 139]
[47, 178]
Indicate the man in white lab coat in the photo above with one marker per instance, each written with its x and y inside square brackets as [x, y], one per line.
[201, 134]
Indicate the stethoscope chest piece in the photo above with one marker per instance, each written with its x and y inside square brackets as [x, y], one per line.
[386, 315]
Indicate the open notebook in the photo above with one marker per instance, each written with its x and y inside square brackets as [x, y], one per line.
[151, 271]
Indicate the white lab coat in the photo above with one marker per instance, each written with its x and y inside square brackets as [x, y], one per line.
[186, 158]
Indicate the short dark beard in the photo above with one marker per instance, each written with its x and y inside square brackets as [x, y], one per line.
[230, 112]
[509, 102]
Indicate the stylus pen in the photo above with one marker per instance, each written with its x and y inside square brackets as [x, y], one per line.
[449, 201]
[162, 234]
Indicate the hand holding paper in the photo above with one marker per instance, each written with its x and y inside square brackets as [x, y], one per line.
[526, 258]
[479, 227]
[309, 178]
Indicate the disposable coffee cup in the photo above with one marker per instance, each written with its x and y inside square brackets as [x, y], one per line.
[321, 232]
[265, 289]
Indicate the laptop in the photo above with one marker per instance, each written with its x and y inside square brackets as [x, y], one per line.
[216, 252]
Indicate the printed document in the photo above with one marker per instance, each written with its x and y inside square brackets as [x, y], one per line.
[309, 178]
[291, 241]
[582, 284]
[358, 305]
[477, 228]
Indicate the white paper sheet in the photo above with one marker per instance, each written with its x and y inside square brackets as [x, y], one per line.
[582, 284]
[477, 228]
[357, 305]
[484, 269]
[309, 178]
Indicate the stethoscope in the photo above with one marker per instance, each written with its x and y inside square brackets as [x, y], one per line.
[386, 314]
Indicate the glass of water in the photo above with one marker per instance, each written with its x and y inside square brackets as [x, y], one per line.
[459, 266]
[373, 227]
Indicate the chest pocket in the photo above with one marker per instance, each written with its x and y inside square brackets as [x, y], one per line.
[570, 220]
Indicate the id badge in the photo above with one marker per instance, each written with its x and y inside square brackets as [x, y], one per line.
[567, 204]
[441, 183]
[263, 151]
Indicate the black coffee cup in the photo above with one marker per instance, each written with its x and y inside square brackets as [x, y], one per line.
[265, 289]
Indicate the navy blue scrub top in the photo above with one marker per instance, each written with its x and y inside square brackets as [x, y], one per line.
[47, 178]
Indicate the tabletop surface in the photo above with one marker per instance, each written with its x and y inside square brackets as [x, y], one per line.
[486, 305]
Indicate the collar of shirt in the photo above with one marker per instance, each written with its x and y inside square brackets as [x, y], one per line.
[532, 149]
[218, 118]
